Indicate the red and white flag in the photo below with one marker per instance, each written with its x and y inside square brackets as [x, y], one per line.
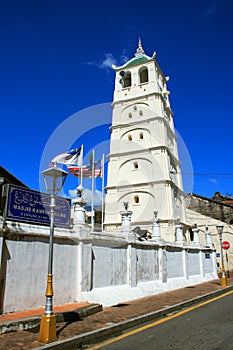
[86, 171]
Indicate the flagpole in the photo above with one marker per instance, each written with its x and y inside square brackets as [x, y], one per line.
[102, 171]
[92, 190]
[81, 163]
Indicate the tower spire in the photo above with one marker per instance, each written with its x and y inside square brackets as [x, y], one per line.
[140, 50]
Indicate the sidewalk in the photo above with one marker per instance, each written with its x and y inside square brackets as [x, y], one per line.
[91, 320]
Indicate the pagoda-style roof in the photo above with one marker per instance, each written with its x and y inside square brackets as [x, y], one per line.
[139, 58]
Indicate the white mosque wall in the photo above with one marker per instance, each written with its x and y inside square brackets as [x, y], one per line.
[96, 267]
[24, 267]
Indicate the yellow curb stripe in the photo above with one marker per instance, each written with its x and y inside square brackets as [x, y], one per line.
[138, 330]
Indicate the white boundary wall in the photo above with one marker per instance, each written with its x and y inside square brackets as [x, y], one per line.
[104, 268]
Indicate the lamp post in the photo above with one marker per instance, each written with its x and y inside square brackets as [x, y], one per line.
[220, 231]
[54, 179]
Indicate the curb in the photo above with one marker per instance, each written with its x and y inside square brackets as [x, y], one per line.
[23, 324]
[102, 333]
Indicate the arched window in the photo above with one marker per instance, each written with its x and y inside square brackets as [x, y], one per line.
[126, 80]
[130, 115]
[173, 171]
[141, 135]
[141, 112]
[143, 75]
[136, 199]
[135, 165]
[129, 137]
[191, 234]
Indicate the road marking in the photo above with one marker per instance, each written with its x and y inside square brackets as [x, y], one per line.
[143, 328]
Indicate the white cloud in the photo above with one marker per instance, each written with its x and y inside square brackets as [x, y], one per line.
[87, 196]
[213, 181]
[215, 7]
[91, 63]
[108, 60]
[124, 58]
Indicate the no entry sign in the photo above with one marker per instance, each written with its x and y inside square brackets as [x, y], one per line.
[225, 245]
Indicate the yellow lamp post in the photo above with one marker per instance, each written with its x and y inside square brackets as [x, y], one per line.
[54, 179]
[220, 232]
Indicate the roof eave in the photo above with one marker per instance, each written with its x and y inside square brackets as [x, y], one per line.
[126, 64]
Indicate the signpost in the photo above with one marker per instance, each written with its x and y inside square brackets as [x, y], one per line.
[225, 245]
[31, 206]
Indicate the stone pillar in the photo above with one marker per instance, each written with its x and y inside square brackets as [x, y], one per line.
[80, 229]
[126, 220]
[179, 231]
[131, 266]
[163, 268]
[156, 234]
[213, 257]
[86, 266]
[202, 268]
[79, 211]
[207, 237]
[79, 269]
[185, 263]
[195, 234]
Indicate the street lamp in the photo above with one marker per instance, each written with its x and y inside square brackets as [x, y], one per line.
[220, 231]
[54, 179]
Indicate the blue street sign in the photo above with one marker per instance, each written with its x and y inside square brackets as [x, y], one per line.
[34, 207]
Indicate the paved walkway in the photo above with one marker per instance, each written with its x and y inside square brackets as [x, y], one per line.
[110, 315]
[38, 312]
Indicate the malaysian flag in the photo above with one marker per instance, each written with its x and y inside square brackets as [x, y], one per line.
[86, 171]
[70, 157]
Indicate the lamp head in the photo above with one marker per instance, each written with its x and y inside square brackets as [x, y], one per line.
[219, 227]
[54, 178]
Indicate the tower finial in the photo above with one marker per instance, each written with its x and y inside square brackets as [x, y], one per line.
[140, 50]
[139, 43]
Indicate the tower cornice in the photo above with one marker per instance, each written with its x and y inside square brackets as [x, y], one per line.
[137, 98]
[143, 151]
[142, 186]
[146, 121]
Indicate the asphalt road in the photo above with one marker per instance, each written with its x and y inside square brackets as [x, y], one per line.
[206, 327]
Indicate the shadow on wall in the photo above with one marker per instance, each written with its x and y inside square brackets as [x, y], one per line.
[3, 268]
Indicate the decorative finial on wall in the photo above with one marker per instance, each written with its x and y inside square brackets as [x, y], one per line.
[126, 205]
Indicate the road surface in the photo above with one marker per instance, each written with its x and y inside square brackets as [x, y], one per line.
[207, 326]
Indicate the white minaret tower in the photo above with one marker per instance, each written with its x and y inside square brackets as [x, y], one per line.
[144, 168]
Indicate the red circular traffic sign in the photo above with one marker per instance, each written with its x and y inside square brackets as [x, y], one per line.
[225, 245]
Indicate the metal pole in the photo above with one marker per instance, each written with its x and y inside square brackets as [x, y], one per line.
[81, 167]
[47, 332]
[49, 289]
[224, 280]
[102, 214]
[92, 190]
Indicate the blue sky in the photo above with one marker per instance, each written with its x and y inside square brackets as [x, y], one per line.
[55, 61]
